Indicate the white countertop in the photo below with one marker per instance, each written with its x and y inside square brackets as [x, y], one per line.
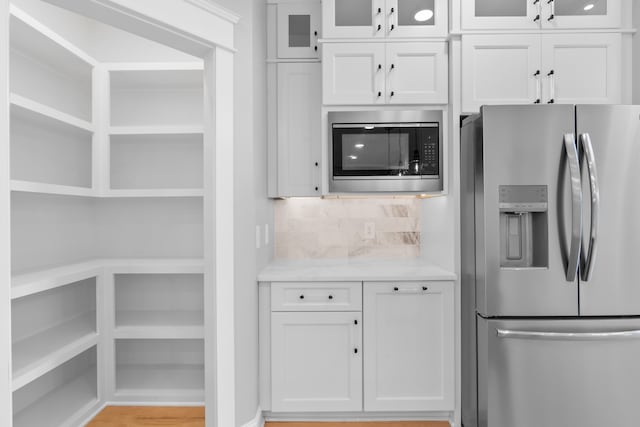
[358, 270]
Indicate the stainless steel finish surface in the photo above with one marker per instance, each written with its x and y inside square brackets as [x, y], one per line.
[573, 263]
[523, 145]
[533, 382]
[386, 184]
[589, 253]
[568, 336]
[614, 288]
[385, 125]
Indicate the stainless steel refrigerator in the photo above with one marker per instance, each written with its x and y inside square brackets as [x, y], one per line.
[550, 208]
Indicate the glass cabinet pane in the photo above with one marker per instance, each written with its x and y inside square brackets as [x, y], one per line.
[354, 13]
[501, 7]
[416, 12]
[299, 30]
[580, 7]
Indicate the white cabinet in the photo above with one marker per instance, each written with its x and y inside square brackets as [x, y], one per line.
[586, 68]
[377, 73]
[353, 73]
[384, 18]
[408, 342]
[316, 361]
[529, 68]
[417, 73]
[298, 28]
[500, 70]
[297, 137]
[540, 14]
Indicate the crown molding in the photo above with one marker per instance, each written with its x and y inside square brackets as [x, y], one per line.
[215, 9]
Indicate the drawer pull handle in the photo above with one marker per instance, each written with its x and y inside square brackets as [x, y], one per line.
[301, 296]
[395, 289]
[424, 288]
[330, 296]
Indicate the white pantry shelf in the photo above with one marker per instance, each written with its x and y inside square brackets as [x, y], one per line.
[159, 324]
[36, 111]
[33, 282]
[62, 405]
[170, 192]
[156, 130]
[154, 66]
[154, 265]
[160, 382]
[39, 354]
[44, 188]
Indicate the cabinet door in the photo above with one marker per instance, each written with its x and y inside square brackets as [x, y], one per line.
[353, 73]
[417, 73]
[408, 339]
[298, 30]
[581, 14]
[316, 362]
[299, 118]
[416, 18]
[353, 18]
[582, 68]
[500, 70]
[501, 14]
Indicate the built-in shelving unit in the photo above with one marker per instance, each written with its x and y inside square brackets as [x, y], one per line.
[107, 230]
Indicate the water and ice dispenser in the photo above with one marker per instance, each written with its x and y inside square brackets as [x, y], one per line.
[524, 233]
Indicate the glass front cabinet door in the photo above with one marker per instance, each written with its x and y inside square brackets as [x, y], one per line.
[298, 30]
[540, 14]
[384, 18]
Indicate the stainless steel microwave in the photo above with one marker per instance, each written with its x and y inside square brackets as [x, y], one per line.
[385, 151]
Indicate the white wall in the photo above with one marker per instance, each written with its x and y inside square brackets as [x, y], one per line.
[103, 42]
[251, 204]
[636, 53]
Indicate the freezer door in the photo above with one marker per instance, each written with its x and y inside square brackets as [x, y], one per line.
[558, 373]
[527, 213]
[609, 277]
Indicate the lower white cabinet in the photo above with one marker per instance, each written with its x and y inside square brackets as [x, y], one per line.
[396, 355]
[316, 361]
[408, 341]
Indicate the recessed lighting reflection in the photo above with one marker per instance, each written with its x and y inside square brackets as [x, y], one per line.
[423, 15]
[589, 6]
[359, 145]
[369, 127]
[352, 157]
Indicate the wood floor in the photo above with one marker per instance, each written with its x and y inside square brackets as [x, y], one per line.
[143, 416]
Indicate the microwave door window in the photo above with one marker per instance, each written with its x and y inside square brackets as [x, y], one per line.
[375, 152]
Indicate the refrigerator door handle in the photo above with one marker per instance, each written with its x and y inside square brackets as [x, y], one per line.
[569, 336]
[590, 254]
[576, 206]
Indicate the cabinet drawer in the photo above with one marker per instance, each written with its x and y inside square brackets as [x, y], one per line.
[316, 296]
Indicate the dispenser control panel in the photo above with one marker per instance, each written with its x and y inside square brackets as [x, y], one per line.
[523, 198]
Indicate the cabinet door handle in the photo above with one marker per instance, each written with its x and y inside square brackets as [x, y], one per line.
[316, 188]
[355, 322]
[379, 27]
[355, 350]
[315, 48]
[379, 66]
[301, 296]
[316, 164]
[392, 27]
[395, 289]
[392, 93]
[393, 66]
[379, 94]
[392, 10]
[315, 33]
[330, 296]
[537, 18]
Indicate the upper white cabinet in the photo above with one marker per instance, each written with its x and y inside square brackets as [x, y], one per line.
[582, 68]
[408, 341]
[296, 142]
[298, 28]
[529, 68]
[384, 18]
[391, 73]
[536, 14]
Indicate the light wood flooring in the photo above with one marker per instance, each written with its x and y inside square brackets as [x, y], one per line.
[162, 416]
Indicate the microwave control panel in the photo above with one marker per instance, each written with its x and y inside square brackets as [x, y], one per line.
[431, 154]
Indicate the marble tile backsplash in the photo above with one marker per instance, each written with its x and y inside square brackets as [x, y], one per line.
[335, 228]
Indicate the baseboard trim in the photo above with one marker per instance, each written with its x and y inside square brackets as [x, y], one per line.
[257, 421]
